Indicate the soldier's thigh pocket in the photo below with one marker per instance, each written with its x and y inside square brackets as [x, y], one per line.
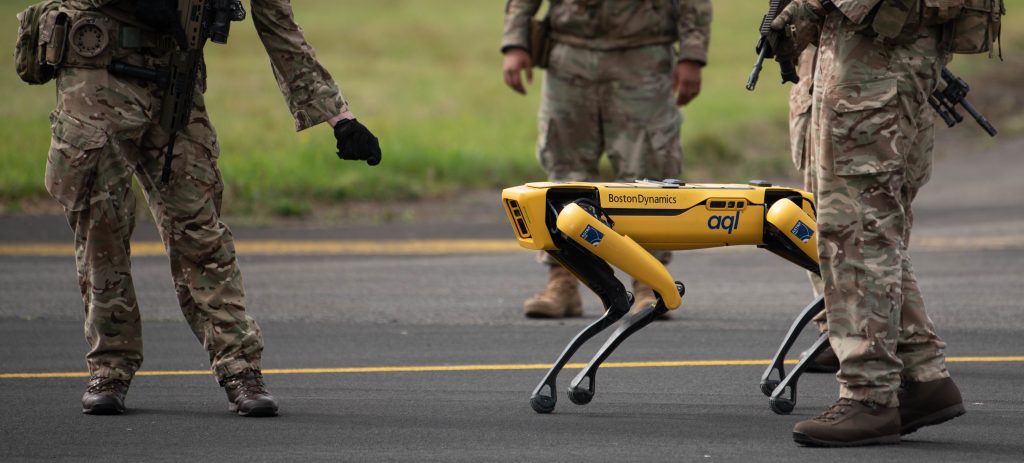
[72, 161]
[865, 131]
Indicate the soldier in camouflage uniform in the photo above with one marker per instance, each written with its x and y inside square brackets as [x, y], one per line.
[105, 131]
[613, 84]
[873, 134]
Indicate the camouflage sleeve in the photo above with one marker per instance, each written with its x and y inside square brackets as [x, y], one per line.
[86, 4]
[518, 14]
[312, 95]
[856, 10]
[694, 30]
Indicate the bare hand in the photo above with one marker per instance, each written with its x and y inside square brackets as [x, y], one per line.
[517, 61]
[686, 82]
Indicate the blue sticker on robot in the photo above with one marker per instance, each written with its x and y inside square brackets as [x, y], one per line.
[802, 231]
[592, 235]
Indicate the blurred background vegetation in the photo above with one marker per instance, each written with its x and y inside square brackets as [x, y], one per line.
[425, 76]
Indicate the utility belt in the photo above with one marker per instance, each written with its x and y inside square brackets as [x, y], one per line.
[605, 44]
[51, 37]
[962, 26]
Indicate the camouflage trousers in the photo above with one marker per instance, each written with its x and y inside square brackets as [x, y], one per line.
[617, 103]
[104, 134]
[874, 138]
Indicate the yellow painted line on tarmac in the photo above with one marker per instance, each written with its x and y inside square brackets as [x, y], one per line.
[443, 247]
[297, 248]
[490, 367]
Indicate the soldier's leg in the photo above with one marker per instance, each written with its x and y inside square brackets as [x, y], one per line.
[88, 173]
[187, 211]
[568, 149]
[920, 348]
[865, 127]
[569, 143]
[641, 123]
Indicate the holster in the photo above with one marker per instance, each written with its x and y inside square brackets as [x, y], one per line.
[540, 42]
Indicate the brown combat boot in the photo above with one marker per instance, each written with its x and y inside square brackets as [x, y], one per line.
[561, 297]
[928, 403]
[643, 297]
[104, 396]
[850, 423]
[248, 396]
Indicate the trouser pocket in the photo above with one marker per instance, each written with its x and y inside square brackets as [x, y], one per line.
[72, 161]
[865, 128]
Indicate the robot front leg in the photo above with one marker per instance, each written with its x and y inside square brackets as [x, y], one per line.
[586, 246]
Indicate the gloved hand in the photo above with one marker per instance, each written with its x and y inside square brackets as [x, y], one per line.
[801, 23]
[161, 15]
[356, 143]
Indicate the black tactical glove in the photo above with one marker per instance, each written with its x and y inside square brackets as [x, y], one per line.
[356, 143]
[161, 15]
[801, 22]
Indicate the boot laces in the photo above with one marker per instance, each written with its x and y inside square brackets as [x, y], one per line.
[836, 411]
[248, 383]
[99, 384]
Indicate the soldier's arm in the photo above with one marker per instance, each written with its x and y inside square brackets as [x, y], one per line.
[856, 10]
[694, 29]
[87, 4]
[312, 95]
[518, 14]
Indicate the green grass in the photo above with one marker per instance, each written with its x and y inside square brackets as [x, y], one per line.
[427, 80]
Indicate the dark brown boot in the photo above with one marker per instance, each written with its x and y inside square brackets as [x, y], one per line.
[561, 297]
[248, 396]
[643, 297]
[104, 396]
[850, 423]
[928, 403]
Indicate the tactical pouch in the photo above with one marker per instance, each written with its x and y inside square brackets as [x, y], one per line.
[939, 12]
[39, 38]
[977, 28]
[92, 39]
[540, 42]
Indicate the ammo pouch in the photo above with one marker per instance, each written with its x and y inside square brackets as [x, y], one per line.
[967, 26]
[41, 33]
[540, 42]
[977, 28]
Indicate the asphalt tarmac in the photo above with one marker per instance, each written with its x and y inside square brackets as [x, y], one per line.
[425, 356]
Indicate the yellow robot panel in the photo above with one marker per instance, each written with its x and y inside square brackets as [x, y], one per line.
[526, 208]
[686, 217]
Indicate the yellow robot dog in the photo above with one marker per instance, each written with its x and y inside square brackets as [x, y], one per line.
[587, 226]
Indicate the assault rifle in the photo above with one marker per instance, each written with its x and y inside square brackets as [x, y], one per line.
[954, 93]
[201, 20]
[768, 45]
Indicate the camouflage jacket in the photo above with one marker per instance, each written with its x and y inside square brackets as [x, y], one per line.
[617, 24]
[856, 10]
[311, 93]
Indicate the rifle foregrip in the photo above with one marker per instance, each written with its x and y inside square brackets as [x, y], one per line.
[788, 71]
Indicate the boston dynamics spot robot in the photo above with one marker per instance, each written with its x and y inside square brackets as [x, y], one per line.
[590, 227]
